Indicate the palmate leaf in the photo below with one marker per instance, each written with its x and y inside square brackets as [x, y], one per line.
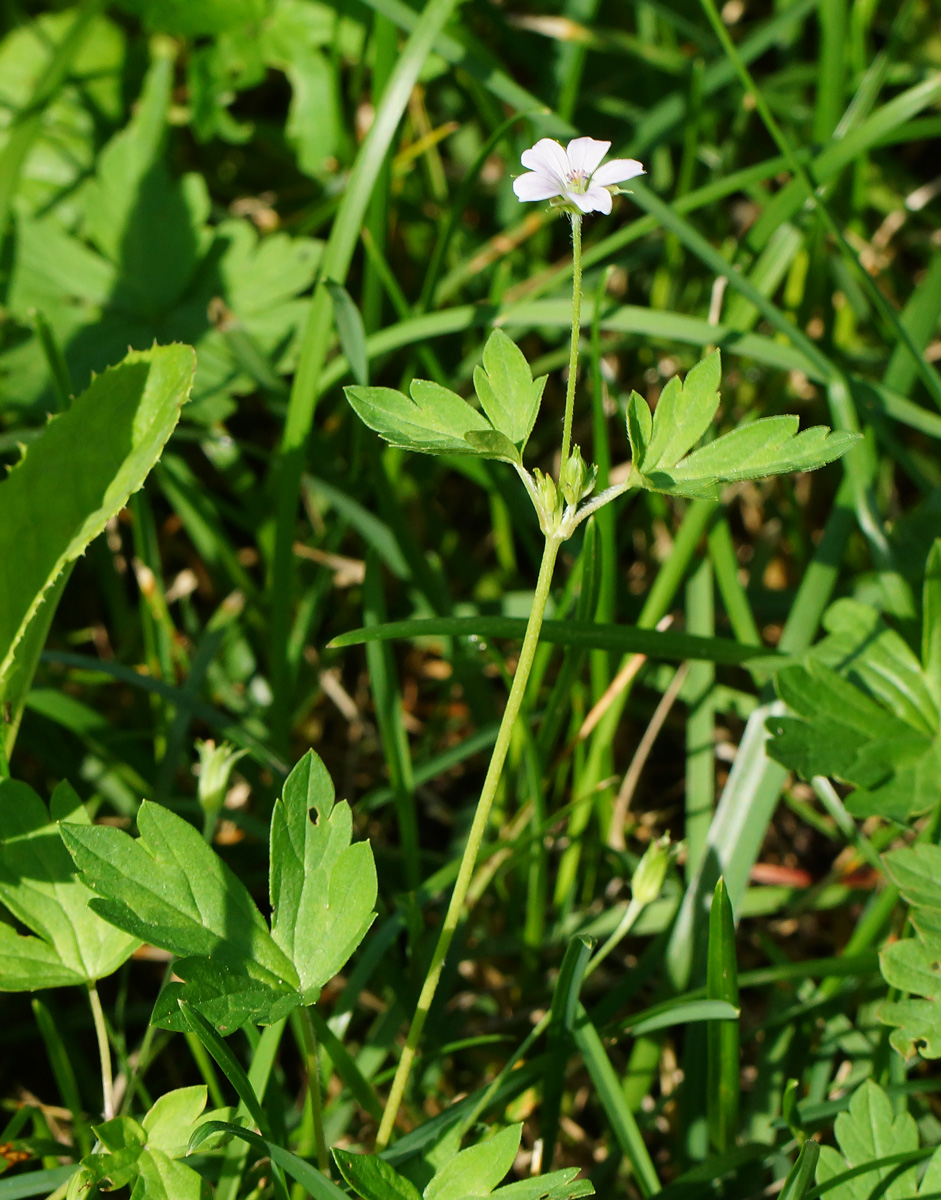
[505, 387]
[437, 421]
[39, 885]
[870, 1130]
[864, 713]
[770, 446]
[144, 1155]
[170, 888]
[912, 964]
[471, 1174]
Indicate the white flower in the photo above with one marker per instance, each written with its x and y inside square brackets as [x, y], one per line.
[574, 174]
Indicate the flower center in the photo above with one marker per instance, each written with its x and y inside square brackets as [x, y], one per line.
[578, 180]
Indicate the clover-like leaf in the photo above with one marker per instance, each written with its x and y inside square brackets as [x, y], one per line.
[505, 387]
[40, 886]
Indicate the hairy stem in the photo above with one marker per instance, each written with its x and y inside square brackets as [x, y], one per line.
[474, 840]
[576, 319]
[104, 1052]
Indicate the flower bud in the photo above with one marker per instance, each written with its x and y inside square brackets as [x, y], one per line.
[647, 881]
[576, 478]
[215, 769]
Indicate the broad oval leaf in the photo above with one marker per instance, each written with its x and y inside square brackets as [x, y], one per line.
[98, 452]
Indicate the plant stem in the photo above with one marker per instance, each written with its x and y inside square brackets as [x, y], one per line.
[104, 1052]
[313, 1086]
[474, 839]
[576, 319]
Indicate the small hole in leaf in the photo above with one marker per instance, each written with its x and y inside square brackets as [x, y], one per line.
[314, 814]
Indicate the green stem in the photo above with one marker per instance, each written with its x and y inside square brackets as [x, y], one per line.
[474, 840]
[104, 1052]
[576, 319]
[313, 1086]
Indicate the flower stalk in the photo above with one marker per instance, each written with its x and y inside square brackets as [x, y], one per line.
[576, 325]
[474, 839]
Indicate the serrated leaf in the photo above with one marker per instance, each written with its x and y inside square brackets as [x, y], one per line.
[870, 1130]
[170, 888]
[227, 998]
[684, 412]
[490, 443]
[40, 886]
[770, 446]
[867, 650]
[911, 964]
[505, 387]
[374, 1179]
[98, 452]
[557, 1185]
[476, 1171]
[434, 421]
[872, 723]
[322, 888]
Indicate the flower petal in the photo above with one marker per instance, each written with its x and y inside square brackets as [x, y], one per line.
[535, 185]
[546, 158]
[618, 170]
[596, 199]
[584, 154]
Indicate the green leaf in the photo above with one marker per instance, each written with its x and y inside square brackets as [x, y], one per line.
[685, 410]
[159, 1177]
[373, 1178]
[226, 997]
[39, 885]
[490, 443]
[911, 964]
[801, 1175]
[722, 1036]
[931, 624]
[639, 428]
[194, 18]
[172, 1117]
[476, 1171]
[868, 1131]
[434, 421]
[770, 446]
[322, 889]
[98, 452]
[872, 723]
[557, 1185]
[505, 387]
[170, 888]
[350, 331]
[683, 414]
[318, 1185]
[143, 1155]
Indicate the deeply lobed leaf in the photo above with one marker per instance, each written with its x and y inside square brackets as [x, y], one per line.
[40, 886]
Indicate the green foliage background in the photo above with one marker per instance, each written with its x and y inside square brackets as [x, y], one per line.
[311, 201]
